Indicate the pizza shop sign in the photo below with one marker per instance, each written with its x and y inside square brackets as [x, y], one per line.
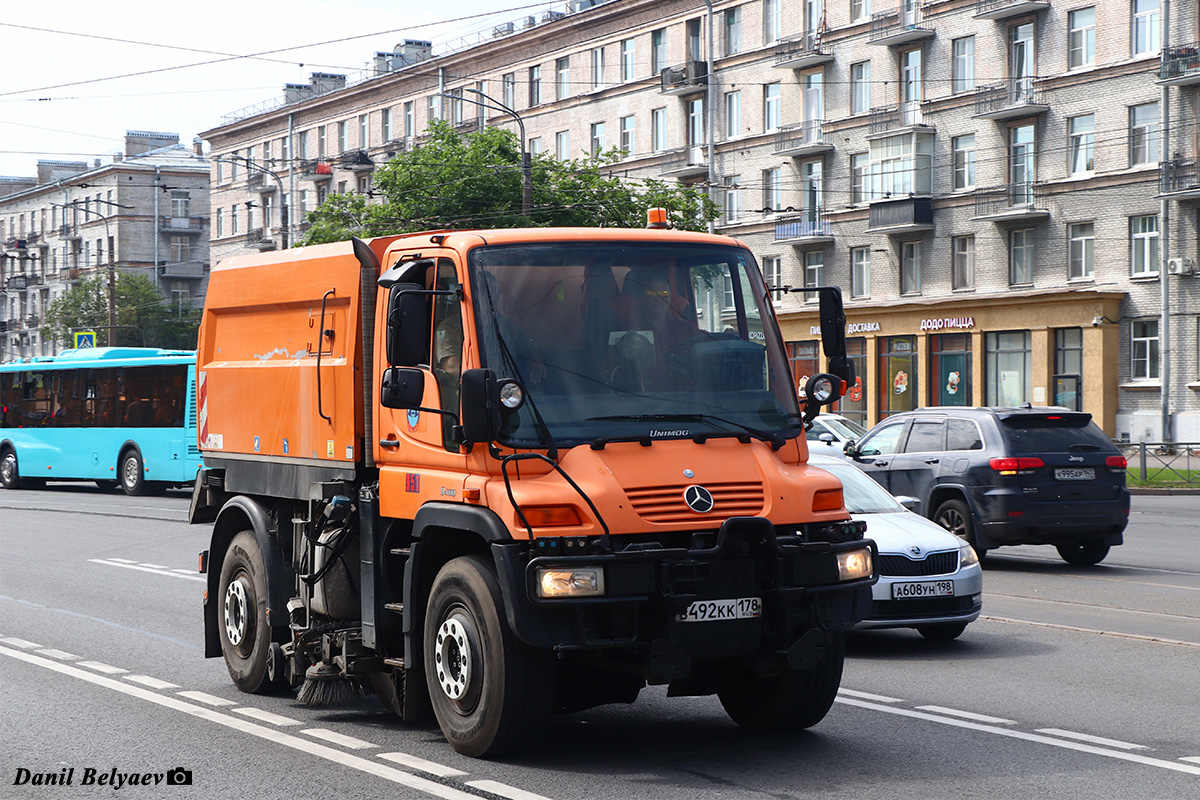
[947, 322]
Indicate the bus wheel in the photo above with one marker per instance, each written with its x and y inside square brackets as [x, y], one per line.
[132, 478]
[242, 615]
[10, 476]
[491, 693]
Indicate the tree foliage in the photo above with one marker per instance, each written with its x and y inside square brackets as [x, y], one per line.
[461, 181]
[144, 317]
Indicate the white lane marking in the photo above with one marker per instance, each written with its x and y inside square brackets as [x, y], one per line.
[254, 729]
[1192, 759]
[99, 666]
[878, 698]
[266, 716]
[1084, 737]
[338, 738]
[185, 571]
[414, 762]
[59, 654]
[112, 562]
[21, 643]
[123, 560]
[154, 566]
[1028, 737]
[968, 715]
[153, 683]
[207, 699]
[1075, 629]
[504, 790]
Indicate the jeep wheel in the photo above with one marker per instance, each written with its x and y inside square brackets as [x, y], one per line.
[1084, 554]
[955, 516]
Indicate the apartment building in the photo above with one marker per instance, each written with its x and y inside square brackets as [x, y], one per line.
[1006, 190]
[144, 212]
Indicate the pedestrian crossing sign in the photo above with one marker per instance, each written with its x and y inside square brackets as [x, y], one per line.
[85, 339]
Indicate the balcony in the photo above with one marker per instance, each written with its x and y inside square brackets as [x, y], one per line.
[1180, 65]
[901, 25]
[1000, 10]
[255, 178]
[192, 225]
[891, 120]
[24, 281]
[357, 160]
[801, 139]
[686, 162]
[1179, 179]
[32, 321]
[685, 79]
[905, 215]
[1017, 97]
[182, 269]
[1016, 202]
[16, 244]
[801, 52]
[807, 227]
[313, 170]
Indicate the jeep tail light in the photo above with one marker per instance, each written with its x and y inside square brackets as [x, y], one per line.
[1115, 463]
[1015, 466]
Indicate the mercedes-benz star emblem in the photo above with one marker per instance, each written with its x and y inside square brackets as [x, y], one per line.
[698, 499]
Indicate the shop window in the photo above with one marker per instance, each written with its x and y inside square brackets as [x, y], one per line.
[897, 366]
[1008, 364]
[950, 369]
[853, 406]
[1068, 368]
[805, 361]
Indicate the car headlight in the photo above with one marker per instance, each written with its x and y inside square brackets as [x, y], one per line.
[570, 582]
[854, 565]
[967, 555]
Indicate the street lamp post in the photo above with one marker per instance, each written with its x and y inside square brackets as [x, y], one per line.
[526, 161]
[112, 277]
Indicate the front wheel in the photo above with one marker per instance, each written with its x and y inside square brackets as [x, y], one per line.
[242, 615]
[943, 632]
[491, 693]
[791, 701]
[10, 476]
[132, 477]
[955, 516]
[1084, 554]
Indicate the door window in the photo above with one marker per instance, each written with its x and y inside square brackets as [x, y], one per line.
[884, 442]
[926, 437]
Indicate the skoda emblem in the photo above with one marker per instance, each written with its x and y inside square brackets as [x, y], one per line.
[698, 499]
[916, 551]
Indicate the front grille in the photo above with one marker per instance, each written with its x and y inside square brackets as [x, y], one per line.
[920, 607]
[933, 564]
[665, 503]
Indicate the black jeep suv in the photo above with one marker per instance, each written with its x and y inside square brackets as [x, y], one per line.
[1003, 476]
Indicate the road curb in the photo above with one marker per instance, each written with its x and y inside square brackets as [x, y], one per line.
[1164, 491]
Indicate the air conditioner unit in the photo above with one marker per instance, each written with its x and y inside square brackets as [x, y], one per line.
[529, 22]
[504, 30]
[1181, 266]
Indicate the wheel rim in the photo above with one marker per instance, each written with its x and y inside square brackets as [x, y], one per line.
[238, 621]
[8, 467]
[954, 522]
[455, 656]
[130, 472]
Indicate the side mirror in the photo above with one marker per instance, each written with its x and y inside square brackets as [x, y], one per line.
[480, 405]
[826, 437]
[402, 387]
[910, 503]
[851, 448]
[833, 333]
[407, 325]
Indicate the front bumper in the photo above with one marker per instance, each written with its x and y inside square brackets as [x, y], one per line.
[964, 606]
[647, 590]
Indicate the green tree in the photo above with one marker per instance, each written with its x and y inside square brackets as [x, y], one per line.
[474, 180]
[143, 316]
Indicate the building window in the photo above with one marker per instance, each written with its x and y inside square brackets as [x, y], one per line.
[219, 223]
[1143, 232]
[535, 85]
[1083, 246]
[901, 165]
[805, 361]
[1143, 347]
[658, 51]
[695, 130]
[562, 145]
[628, 60]
[597, 68]
[771, 106]
[1021, 52]
[233, 221]
[181, 205]
[733, 31]
[342, 138]
[1081, 45]
[658, 130]
[455, 106]
[814, 272]
[773, 271]
[1020, 257]
[950, 369]
[535, 145]
[1022, 152]
[1008, 362]
[1146, 22]
[597, 138]
[910, 267]
[1143, 134]
[1082, 144]
[772, 191]
[964, 262]
[733, 202]
[897, 366]
[733, 114]
[859, 164]
[963, 77]
[860, 271]
[410, 120]
[385, 125]
[180, 248]
[695, 46]
[812, 178]
[364, 140]
[860, 87]
[627, 130]
[860, 10]
[562, 78]
[912, 90]
[1068, 368]
[964, 161]
[771, 27]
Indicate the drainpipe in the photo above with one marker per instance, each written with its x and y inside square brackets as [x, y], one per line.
[1164, 216]
[708, 102]
[157, 233]
[291, 192]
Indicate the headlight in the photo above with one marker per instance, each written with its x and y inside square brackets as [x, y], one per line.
[566, 582]
[854, 565]
[512, 395]
[967, 555]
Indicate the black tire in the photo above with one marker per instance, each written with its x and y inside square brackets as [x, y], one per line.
[10, 475]
[792, 701]
[491, 693]
[131, 473]
[944, 632]
[242, 615]
[1084, 554]
[955, 516]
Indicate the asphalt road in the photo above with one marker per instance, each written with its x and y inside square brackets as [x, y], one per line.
[1076, 682]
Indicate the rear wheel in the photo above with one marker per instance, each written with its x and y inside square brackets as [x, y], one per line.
[1084, 554]
[132, 475]
[491, 693]
[955, 516]
[791, 701]
[942, 633]
[242, 616]
[10, 476]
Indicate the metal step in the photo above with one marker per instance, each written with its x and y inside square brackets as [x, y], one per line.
[397, 607]
[401, 551]
[394, 662]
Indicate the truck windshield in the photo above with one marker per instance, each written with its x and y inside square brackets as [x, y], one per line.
[629, 341]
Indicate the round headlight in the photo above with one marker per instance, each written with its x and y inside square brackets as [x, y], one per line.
[512, 396]
[822, 388]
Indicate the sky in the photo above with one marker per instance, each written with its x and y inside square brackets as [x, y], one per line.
[77, 74]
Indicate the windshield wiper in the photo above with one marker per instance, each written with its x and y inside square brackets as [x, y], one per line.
[1091, 448]
[776, 441]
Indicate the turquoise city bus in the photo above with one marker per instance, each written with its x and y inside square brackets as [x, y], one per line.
[119, 416]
